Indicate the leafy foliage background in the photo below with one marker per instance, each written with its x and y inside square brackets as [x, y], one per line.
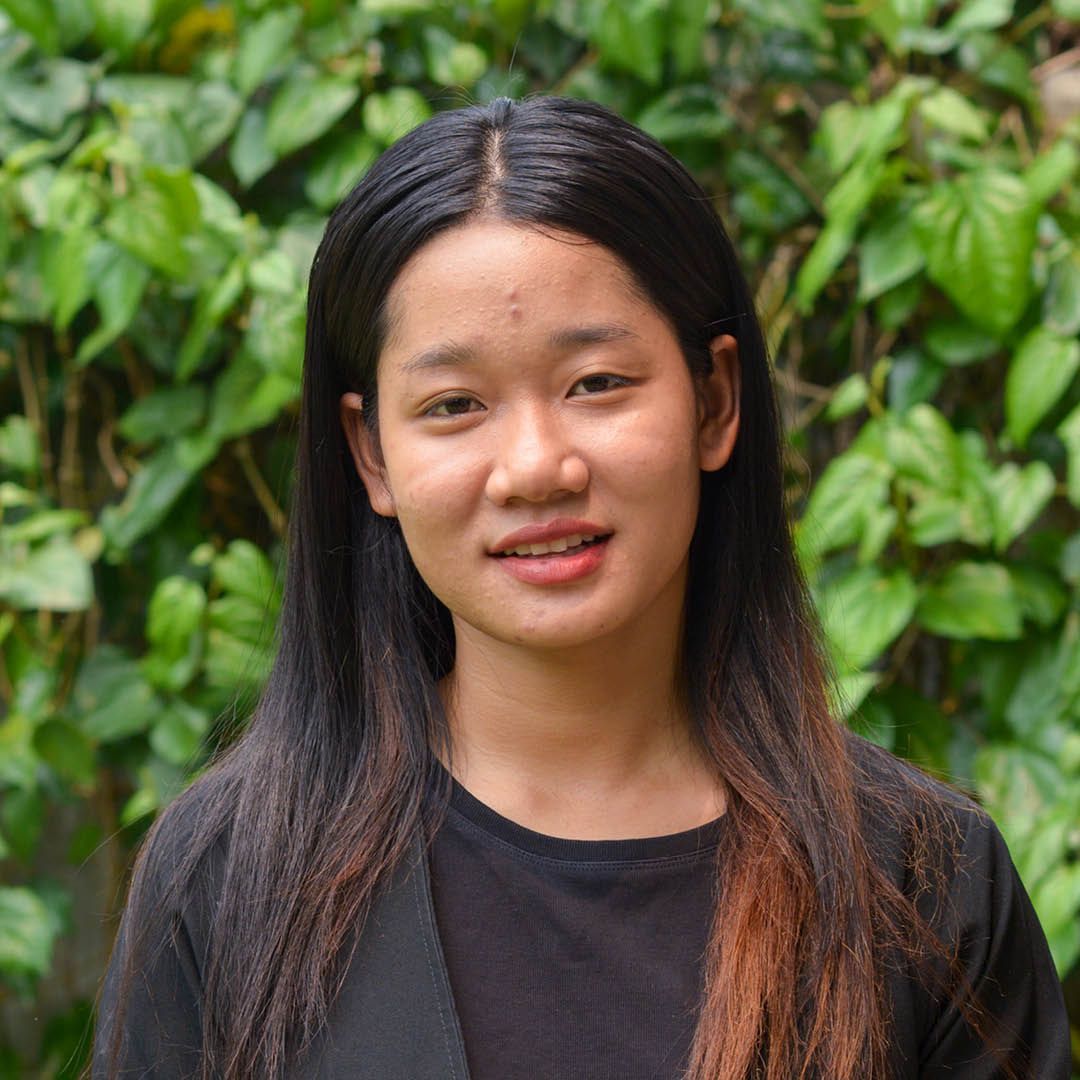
[901, 177]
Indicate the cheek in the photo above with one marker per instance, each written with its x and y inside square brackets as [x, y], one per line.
[656, 457]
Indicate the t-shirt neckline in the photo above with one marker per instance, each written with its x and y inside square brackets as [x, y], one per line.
[700, 840]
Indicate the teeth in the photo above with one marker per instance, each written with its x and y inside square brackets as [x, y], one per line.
[562, 544]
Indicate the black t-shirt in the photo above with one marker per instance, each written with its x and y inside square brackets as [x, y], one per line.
[580, 957]
[581, 960]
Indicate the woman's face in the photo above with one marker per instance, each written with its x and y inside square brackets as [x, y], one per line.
[540, 437]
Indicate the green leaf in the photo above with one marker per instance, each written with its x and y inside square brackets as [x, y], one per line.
[1051, 170]
[216, 299]
[275, 335]
[264, 46]
[28, 929]
[241, 643]
[849, 397]
[44, 97]
[688, 31]
[1040, 595]
[863, 611]
[152, 222]
[889, 253]
[1061, 301]
[957, 342]
[978, 233]
[156, 486]
[38, 19]
[273, 272]
[685, 112]
[338, 167]
[450, 61]
[974, 15]
[828, 252]
[75, 21]
[1069, 432]
[67, 751]
[849, 197]
[392, 8]
[41, 524]
[993, 63]
[22, 817]
[801, 16]
[1057, 902]
[395, 113]
[179, 732]
[66, 273]
[924, 447]
[243, 569]
[764, 197]
[249, 154]
[945, 474]
[913, 378]
[850, 487]
[1017, 784]
[1017, 497]
[19, 448]
[111, 699]
[246, 396]
[169, 411]
[1066, 9]
[120, 281]
[54, 576]
[848, 692]
[174, 630]
[972, 600]
[122, 24]
[630, 37]
[305, 106]
[18, 762]
[210, 117]
[1040, 372]
[950, 111]
[160, 781]
[841, 132]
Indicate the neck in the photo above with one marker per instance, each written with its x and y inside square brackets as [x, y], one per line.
[593, 739]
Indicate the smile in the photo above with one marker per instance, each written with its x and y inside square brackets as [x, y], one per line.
[552, 547]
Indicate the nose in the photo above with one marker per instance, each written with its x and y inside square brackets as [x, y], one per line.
[535, 459]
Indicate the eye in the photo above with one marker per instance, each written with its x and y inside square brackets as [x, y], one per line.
[597, 384]
[453, 406]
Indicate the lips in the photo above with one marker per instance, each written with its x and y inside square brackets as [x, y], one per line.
[552, 547]
[552, 537]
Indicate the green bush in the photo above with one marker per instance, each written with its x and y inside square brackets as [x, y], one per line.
[901, 178]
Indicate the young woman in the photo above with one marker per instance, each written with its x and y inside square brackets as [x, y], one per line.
[544, 782]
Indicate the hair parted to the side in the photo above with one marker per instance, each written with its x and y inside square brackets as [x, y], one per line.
[324, 794]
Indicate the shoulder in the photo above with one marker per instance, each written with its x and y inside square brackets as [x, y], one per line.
[948, 857]
[910, 816]
[181, 862]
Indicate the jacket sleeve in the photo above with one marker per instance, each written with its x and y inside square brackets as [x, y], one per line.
[154, 1009]
[150, 1010]
[1004, 957]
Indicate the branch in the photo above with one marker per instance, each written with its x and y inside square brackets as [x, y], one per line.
[274, 513]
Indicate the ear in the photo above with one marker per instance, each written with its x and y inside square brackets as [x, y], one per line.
[718, 411]
[366, 455]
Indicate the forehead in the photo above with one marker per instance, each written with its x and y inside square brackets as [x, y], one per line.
[486, 276]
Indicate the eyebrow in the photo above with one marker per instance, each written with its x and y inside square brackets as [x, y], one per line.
[452, 354]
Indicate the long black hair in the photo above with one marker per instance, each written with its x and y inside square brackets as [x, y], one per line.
[325, 792]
